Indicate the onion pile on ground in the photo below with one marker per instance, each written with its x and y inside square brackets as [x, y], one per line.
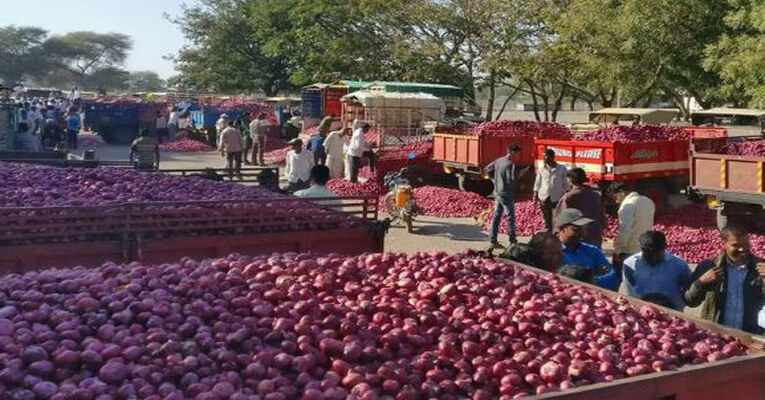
[185, 145]
[342, 187]
[637, 133]
[298, 326]
[86, 140]
[445, 203]
[752, 148]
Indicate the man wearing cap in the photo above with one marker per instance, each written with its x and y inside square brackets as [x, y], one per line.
[298, 166]
[569, 224]
[587, 200]
[357, 148]
[503, 173]
[549, 186]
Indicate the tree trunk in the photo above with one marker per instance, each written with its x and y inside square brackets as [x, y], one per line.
[559, 104]
[590, 105]
[492, 94]
[573, 103]
[535, 103]
[504, 104]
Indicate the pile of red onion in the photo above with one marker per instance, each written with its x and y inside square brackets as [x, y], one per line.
[752, 148]
[445, 203]
[299, 326]
[635, 133]
[542, 130]
[342, 187]
[24, 185]
[86, 140]
[185, 145]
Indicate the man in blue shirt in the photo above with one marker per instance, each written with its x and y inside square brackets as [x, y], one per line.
[570, 224]
[654, 271]
[730, 287]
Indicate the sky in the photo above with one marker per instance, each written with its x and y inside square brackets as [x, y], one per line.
[153, 36]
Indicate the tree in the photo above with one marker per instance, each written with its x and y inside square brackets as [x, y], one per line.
[82, 53]
[738, 56]
[228, 48]
[21, 55]
[108, 78]
[145, 81]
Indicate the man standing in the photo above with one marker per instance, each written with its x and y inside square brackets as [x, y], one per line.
[730, 286]
[356, 150]
[569, 225]
[258, 128]
[586, 200]
[549, 186]
[316, 145]
[502, 171]
[319, 176]
[654, 271]
[243, 123]
[160, 125]
[72, 129]
[334, 146]
[220, 125]
[636, 214]
[298, 166]
[172, 123]
[231, 146]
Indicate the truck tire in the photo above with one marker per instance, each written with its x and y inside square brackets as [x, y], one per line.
[484, 187]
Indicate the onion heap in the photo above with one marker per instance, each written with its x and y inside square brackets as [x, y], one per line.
[752, 148]
[342, 187]
[23, 185]
[300, 326]
[185, 145]
[635, 133]
[87, 140]
[541, 130]
[449, 203]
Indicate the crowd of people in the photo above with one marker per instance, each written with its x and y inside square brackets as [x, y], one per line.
[729, 287]
[47, 123]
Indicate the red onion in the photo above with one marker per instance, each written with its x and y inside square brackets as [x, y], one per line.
[282, 326]
[185, 145]
[752, 148]
[635, 133]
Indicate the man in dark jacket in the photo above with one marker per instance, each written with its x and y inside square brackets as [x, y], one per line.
[731, 285]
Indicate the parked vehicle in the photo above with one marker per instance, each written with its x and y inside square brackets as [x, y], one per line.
[399, 202]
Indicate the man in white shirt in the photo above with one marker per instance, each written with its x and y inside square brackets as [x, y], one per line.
[220, 125]
[258, 128]
[231, 145]
[335, 145]
[356, 150]
[636, 214]
[298, 166]
[172, 123]
[550, 185]
[319, 176]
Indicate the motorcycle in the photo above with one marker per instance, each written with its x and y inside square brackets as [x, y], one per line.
[399, 201]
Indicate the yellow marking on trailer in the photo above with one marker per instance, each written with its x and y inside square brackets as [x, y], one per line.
[723, 173]
[759, 177]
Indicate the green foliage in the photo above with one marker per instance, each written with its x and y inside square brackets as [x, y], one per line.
[145, 81]
[21, 53]
[228, 51]
[82, 53]
[739, 54]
